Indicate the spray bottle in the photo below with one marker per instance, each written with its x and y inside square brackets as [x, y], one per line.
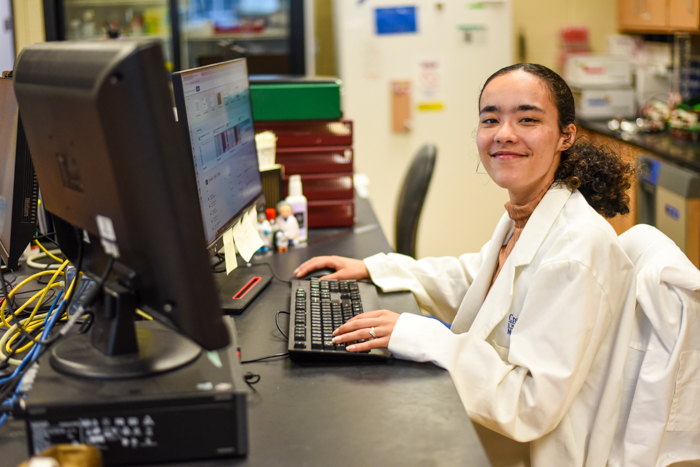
[299, 206]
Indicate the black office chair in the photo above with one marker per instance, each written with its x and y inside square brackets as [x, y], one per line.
[413, 192]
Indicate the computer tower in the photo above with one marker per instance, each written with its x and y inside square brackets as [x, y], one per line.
[191, 413]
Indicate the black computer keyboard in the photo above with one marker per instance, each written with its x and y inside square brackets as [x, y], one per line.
[320, 307]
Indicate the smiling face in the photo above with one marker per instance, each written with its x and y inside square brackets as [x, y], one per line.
[519, 140]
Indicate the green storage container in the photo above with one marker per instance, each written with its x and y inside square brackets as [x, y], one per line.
[296, 101]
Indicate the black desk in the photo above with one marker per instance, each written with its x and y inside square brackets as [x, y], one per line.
[395, 413]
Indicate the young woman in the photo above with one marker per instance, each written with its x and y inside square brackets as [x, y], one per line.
[541, 316]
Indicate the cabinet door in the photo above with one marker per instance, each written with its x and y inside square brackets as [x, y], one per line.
[642, 14]
[627, 13]
[683, 14]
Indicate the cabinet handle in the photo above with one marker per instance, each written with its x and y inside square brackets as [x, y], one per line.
[689, 6]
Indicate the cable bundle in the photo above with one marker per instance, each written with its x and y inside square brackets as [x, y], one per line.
[27, 332]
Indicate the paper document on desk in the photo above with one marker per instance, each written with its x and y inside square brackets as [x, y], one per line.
[230, 251]
[246, 236]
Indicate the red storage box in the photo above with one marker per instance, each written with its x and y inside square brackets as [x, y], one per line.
[336, 213]
[323, 186]
[315, 160]
[301, 133]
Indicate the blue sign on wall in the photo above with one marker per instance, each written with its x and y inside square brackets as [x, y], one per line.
[672, 212]
[398, 20]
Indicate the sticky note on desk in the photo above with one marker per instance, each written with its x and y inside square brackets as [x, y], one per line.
[230, 251]
[246, 236]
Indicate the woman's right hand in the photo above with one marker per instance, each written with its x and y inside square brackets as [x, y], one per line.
[345, 268]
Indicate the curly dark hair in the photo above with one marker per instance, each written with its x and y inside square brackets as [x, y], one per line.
[597, 171]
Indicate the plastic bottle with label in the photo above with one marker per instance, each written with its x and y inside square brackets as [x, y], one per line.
[299, 206]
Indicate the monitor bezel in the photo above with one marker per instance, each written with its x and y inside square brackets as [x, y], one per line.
[183, 123]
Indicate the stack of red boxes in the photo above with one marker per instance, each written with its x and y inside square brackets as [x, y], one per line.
[321, 152]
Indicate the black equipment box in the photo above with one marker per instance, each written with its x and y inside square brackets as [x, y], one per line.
[194, 412]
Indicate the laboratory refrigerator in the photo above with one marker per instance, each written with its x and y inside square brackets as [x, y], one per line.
[269, 33]
[411, 73]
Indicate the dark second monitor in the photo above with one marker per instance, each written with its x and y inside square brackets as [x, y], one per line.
[111, 164]
[19, 191]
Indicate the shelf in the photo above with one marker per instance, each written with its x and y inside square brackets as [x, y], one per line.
[113, 3]
[98, 37]
[270, 34]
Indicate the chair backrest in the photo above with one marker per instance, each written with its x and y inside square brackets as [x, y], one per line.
[412, 197]
[658, 423]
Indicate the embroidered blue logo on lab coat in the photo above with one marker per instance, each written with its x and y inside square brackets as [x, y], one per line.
[511, 322]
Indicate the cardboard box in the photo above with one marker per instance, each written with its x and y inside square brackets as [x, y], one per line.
[598, 71]
[604, 103]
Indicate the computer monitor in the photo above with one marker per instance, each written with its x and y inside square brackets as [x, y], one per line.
[19, 191]
[110, 162]
[216, 121]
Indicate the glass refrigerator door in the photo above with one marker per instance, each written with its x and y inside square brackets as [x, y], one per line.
[131, 19]
[213, 31]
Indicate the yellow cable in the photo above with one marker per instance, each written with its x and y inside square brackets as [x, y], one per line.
[76, 283]
[21, 284]
[28, 327]
[144, 315]
[30, 320]
[7, 334]
[17, 288]
[49, 254]
[31, 317]
[47, 288]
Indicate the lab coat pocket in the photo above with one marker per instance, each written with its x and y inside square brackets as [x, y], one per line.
[686, 398]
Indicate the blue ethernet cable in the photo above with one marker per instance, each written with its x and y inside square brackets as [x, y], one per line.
[49, 321]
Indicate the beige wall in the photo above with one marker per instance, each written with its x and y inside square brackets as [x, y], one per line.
[541, 20]
[29, 23]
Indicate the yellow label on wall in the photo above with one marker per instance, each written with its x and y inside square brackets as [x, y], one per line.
[431, 106]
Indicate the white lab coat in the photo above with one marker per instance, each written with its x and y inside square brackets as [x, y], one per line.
[540, 358]
[660, 419]
[290, 226]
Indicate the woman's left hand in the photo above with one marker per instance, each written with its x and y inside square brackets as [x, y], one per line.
[379, 322]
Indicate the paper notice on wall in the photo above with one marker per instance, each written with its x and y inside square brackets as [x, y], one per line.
[230, 251]
[430, 84]
[246, 236]
[372, 60]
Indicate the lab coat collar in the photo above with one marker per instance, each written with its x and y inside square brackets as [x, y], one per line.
[477, 291]
[539, 224]
[536, 229]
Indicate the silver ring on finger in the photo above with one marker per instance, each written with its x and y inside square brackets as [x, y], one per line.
[371, 333]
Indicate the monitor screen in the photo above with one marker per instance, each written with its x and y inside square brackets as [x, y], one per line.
[19, 191]
[216, 118]
[110, 161]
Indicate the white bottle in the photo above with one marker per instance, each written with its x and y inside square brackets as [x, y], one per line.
[299, 206]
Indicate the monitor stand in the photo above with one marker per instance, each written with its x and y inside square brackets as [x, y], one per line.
[238, 289]
[119, 347]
